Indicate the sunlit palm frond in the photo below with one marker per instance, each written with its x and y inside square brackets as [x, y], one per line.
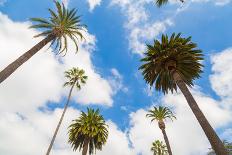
[64, 24]
[158, 148]
[89, 125]
[177, 49]
[75, 76]
[160, 113]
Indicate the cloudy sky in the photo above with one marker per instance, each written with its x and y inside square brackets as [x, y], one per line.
[31, 100]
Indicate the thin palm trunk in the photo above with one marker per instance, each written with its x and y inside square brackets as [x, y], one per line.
[85, 148]
[162, 128]
[167, 142]
[61, 119]
[6, 72]
[214, 140]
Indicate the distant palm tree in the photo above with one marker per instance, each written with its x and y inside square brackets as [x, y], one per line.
[173, 62]
[158, 148]
[160, 3]
[227, 145]
[88, 132]
[62, 24]
[160, 114]
[75, 77]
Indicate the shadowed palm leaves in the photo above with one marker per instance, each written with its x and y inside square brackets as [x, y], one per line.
[160, 114]
[76, 77]
[158, 148]
[160, 3]
[173, 62]
[61, 25]
[89, 132]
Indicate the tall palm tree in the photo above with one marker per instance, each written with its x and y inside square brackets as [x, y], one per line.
[158, 148]
[76, 77]
[160, 114]
[227, 145]
[160, 3]
[61, 25]
[88, 132]
[173, 62]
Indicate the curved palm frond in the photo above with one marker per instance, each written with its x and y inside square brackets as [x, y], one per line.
[75, 76]
[160, 113]
[63, 24]
[160, 3]
[90, 125]
[158, 148]
[175, 49]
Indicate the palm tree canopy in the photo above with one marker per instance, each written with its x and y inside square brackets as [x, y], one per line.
[158, 148]
[75, 76]
[160, 113]
[177, 51]
[92, 126]
[63, 24]
[160, 3]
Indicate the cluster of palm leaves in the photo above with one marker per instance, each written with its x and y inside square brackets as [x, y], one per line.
[170, 63]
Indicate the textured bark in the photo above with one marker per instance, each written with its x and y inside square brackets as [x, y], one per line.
[61, 119]
[162, 127]
[85, 146]
[6, 72]
[214, 140]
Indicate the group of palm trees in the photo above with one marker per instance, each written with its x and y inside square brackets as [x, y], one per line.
[169, 63]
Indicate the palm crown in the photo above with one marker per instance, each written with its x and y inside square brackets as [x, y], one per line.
[160, 113]
[158, 148]
[171, 53]
[75, 77]
[92, 126]
[62, 24]
[160, 3]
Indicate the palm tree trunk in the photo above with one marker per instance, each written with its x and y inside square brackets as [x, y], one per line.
[6, 72]
[61, 119]
[167, 142]
[214, 140]
[85, 148]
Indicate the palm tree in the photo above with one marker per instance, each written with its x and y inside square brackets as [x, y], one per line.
[158, 148]
[227, 145]
[160, 3]
[173, 62]
[62, 24]
[88, 132]
[76, 77]
[160, 114]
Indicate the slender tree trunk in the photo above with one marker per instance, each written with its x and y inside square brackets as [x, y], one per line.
[85, 148]
[6, 72]
[162, 127]
[61, 119]
[214, 140]
[167, 142]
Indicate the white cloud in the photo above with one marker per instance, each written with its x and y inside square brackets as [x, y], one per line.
[38, 81]
[116, 81]
[44, 72]
[139, 35]
[93, 4]
[181, 130]
[221, 73]
[140, 25]
[35, 133]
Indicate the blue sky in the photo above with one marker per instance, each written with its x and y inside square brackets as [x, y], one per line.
[120, 29]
